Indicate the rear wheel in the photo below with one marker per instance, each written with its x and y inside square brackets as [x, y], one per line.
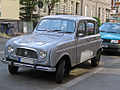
[60, 71]
[12, 69]
[95, 61]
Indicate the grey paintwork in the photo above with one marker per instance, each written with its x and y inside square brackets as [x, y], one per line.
[56, 45]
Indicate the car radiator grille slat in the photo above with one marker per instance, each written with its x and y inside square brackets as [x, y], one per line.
[106, 40]
[26, 53]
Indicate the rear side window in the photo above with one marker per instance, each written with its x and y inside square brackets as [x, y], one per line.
[91, 28]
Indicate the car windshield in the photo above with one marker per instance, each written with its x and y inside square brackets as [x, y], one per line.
[110, 28]
[56, 25]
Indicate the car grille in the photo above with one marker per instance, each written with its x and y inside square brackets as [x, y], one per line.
[26, 53]
[106, 40]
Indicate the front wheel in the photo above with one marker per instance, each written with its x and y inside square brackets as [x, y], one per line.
[60, 69]
[95, 61]
[12, 69]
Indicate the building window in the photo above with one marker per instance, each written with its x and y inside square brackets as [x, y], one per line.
[77, 8]
[107, 13]
[57, 8]
[64, 8]
[86, 10]
[92, 11]
[72, 7]
[117, 9]
[103, 14]
[99, 13]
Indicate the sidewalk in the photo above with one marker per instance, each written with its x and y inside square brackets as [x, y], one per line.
[103, 78]
[3, 40]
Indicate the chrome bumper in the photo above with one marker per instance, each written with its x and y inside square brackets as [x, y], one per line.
[36, 67]
[111, 47]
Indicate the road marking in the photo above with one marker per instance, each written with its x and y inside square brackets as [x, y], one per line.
[87, 75]
[111, 71]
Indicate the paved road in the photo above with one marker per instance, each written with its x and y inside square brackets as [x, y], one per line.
[82, 77]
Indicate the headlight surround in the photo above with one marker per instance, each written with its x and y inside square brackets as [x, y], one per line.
[10, 49]
[43, 54]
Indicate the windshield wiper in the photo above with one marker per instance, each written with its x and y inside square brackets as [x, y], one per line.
[102, 31]
[54, 30]
[43, 30]
[111, 32]
[66, 32]
[60, 31]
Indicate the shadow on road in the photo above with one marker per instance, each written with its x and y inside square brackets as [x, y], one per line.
[108, 53]
[50, 76]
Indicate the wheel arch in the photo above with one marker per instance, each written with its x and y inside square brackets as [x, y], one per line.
[67, 59]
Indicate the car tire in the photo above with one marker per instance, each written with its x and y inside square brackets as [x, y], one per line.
[95, 61]
[67, 71]
[12, 69]
[60, 69]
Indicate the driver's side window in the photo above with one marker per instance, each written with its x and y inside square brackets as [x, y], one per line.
[81, 29]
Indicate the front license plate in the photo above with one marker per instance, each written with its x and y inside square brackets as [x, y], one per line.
[25, 60]
[104, 45]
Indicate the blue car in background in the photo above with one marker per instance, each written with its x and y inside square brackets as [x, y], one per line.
[110, 34]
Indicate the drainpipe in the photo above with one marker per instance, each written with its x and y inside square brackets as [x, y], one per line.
[81, 7]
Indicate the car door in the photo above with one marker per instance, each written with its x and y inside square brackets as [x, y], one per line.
[82, 43]
[93, 37]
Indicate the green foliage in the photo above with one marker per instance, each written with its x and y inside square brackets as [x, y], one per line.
[26, 11]
[98, 20]
[50, 4]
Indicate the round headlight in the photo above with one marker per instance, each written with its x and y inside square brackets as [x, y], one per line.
[43, 54]
[10, 49]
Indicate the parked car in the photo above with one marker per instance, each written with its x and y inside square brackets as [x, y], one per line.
[110, 34]
[58, 43]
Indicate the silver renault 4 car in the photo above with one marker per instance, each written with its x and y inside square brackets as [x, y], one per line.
[58, 43]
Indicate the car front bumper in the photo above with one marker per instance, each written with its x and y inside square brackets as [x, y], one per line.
[111, 47]
[33, 66]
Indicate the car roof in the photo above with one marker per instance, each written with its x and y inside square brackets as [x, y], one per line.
[70, 17]
[110, 23]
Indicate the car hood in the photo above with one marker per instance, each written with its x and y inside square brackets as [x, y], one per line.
[38, 40]
[113, 36]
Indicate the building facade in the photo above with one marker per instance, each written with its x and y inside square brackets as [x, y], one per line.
[90, 8]
[9, 9]
[116, 9]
